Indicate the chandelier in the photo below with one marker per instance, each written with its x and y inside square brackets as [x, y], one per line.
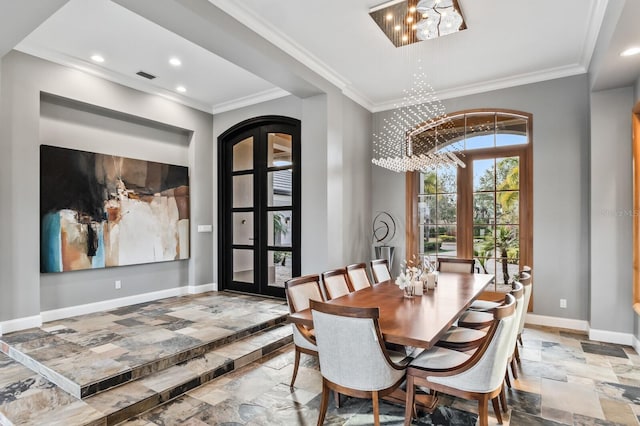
[418, 133]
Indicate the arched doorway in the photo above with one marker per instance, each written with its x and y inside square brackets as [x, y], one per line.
[259, 205]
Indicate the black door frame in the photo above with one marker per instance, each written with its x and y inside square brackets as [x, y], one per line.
[258, 127]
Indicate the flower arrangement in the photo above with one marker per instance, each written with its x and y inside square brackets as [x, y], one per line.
[409, 272]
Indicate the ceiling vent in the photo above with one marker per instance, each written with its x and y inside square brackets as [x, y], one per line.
[146, 75]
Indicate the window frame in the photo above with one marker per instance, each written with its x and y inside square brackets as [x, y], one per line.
[465, 194]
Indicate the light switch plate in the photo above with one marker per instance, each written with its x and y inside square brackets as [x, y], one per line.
[205, 228]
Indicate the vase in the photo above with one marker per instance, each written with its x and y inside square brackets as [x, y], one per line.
[409, 291]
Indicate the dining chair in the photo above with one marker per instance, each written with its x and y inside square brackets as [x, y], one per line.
[454, 264]
[462, 338]
[518, 293]
[380, 270]
[336, 283]
[300, 291]
[358, 277]
[479, 376]
[353, 358]
[526, 280]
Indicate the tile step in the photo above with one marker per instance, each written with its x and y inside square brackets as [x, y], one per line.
[101, 384]
[118, 404]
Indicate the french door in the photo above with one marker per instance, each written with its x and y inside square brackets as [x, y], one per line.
[259, 200]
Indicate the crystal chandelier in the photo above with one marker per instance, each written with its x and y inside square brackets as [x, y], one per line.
[417, 134]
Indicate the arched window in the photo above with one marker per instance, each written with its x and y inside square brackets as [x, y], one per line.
[484, 210]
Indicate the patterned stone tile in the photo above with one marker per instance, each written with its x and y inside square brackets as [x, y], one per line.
[604, 349]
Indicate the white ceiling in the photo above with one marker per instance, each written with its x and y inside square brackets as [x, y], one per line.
[507, 43]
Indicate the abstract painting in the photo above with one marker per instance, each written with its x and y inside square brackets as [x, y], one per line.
[99, 211]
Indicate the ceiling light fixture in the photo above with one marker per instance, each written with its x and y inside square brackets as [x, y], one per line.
[631, 51]
[175, 62]
[181, 89]
[97, 58]
[418, 19]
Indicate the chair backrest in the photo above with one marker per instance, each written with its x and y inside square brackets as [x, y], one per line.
[380, 270]
[525, 279]
[484, 371]
[301, 290]
[351, 349]
[454, 264]
[517, 292]
[358, 277]
[336, 283]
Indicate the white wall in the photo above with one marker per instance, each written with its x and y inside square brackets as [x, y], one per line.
[611, 211]
[560, 111]
[26, 292]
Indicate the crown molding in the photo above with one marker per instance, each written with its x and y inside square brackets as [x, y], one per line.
[502, 83]
[596, 17]
[256, 98]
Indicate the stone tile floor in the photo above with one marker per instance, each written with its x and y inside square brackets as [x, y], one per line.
[564, 379]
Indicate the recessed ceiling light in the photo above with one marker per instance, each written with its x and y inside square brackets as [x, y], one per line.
[389, 16]
[181, 89]
[175, 62]
[631, 51]
[410, 19]
[405, 37]
[97, 58]
[412, 9]
[397, 28]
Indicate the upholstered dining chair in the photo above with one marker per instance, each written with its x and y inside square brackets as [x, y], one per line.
[479, 376]
[300, 291]
[380, 270]
[358, 277]
[454, 264]
[526, 280]
[336, 283]
[353, 358]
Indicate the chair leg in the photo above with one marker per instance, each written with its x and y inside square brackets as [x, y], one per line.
[483, 411]
[496, 409]
[516, 354]
[336, 397]
[503, 400]
[506, 378]
[324, 404]
[408, 404]
[296, 362]
[514, 370]
[376, 408]
[520, 339]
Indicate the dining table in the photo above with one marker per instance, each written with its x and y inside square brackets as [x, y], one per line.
[418, 321]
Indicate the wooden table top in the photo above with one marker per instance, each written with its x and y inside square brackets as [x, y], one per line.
[421, 320]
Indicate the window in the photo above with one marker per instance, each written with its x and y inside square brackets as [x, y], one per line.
[482, 211]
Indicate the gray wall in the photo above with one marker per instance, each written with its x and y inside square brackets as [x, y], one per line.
[25, 292]
[560, 111]
[611, 211]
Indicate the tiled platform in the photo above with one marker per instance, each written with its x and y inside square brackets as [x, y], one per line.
[91, 353]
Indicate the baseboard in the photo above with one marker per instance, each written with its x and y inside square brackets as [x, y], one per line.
[20, 324]
[105, 305]
[196, 289]
[569, 324]
[627, 339]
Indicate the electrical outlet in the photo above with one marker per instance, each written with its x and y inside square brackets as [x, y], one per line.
[563, 303]
[118, 284]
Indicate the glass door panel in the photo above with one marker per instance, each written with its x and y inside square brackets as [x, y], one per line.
[243, 228]
[243, 155]
[243, 191]
[243, 266]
